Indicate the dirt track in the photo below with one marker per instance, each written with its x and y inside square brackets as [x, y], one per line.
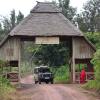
[52, 92]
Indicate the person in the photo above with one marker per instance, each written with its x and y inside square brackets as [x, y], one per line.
[83, 76]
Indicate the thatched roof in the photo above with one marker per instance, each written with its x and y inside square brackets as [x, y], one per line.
[42, 7]
[46, 19]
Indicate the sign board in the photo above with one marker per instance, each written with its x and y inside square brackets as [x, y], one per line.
[47, 40]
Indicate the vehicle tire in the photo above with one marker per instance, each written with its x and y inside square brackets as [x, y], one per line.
[47, 82]
[39, 82]
[35, 82]
[52, 82]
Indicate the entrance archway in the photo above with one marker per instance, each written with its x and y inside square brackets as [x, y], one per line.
[66, 44]
[46, 20]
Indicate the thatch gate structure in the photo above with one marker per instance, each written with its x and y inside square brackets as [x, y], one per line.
[44, 22]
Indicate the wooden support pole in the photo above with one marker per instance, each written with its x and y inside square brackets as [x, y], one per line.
[19, 63]
[73, 69]
[73, 60]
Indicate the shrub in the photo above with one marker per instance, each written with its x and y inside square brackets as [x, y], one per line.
[95, 84]
[61, 74]
[96, 62]
[5, 88]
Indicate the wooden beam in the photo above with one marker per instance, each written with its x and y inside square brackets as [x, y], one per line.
[47, 40]
[19, 63]
[73, 60]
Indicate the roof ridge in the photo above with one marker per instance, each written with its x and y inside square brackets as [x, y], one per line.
[46, 7]
[46, 2]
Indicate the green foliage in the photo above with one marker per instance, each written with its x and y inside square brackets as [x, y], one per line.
[94, 38]
[83, 26]
[20, 17]
[67, 10]
[95, 84]
[88, 20]
[51, 55]
[5, 88]
[13, 19]
[2, 65]
[26, 69]
[96, 62]
[61, 74]
[7, 24]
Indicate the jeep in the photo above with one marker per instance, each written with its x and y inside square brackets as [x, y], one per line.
[43, 74]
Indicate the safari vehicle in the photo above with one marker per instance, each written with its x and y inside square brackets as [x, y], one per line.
[43, 74]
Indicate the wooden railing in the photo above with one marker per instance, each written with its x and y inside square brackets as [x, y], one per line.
[12, 76]
[89, 76]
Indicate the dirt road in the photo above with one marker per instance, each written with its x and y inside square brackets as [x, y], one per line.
[52, 92]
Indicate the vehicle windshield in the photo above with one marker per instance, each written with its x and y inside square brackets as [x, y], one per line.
[43, 70]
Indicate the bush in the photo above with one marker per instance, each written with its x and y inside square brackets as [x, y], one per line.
[94, 38]
[5, 88]
[95, 84]
[61, 74]
[96, 62]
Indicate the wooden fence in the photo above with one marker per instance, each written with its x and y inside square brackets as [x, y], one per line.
[89, 76]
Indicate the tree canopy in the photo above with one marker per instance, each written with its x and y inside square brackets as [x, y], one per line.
[7, 24]
[51, 55]
[89, 19]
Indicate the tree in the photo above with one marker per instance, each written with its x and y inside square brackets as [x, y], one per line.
[95, 84]
[67, 10]
[94, 38]
[0, 29]
[7, 24]
[89, 19]
[13, 19]
[1, 32]
[51, 55]
[82, 25]
[20, 17]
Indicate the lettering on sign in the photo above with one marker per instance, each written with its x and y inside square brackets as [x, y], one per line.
[47, 40]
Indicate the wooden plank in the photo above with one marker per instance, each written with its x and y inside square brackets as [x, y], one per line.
[9, 51]
[47, 40]
[73, 60]
[82, 49]
[19, 62]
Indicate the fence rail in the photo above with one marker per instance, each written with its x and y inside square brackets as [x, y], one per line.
[89, 76]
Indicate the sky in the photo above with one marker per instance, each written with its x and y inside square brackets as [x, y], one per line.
[6, 6]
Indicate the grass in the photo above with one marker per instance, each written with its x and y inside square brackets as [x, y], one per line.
[94, 85]
[61, 74]
[5, 88]
[25, 69]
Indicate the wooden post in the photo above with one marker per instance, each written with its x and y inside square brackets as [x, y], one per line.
[19, 63]
[73, 60]
[70, 70]
[71, 73]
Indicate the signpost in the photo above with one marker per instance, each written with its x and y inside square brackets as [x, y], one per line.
[47, 40]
